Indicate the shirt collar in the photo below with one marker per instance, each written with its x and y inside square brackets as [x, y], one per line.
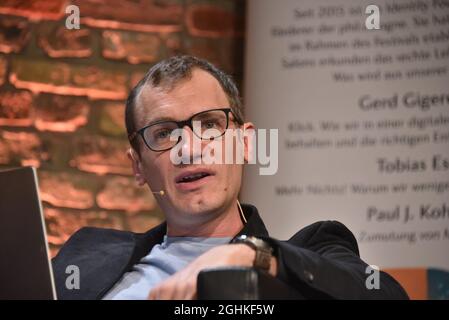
[253, 227]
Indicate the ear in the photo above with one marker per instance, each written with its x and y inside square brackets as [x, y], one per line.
[137, 166]
[249, 141]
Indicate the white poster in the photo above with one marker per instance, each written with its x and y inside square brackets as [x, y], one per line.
[360, 96]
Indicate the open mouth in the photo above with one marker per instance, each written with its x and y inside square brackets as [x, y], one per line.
[191, 177]
[192, 180]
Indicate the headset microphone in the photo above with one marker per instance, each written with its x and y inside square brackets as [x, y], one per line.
[161, 192]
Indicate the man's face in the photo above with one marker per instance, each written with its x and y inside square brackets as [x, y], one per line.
[186, 202]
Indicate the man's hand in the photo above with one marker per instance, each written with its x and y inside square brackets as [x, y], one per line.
[182, 285]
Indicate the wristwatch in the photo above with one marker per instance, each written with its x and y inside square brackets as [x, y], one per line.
[264, 251]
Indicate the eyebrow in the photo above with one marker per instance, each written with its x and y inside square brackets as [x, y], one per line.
[165, 118]
[157, 120]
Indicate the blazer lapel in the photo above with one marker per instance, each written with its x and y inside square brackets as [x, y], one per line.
[254, 225]
[142, 245]
[99, 255]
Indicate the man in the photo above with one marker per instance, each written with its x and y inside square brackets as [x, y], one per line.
[204, 221]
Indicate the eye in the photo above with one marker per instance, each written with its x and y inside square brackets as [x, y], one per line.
[162, 134]
[209, 124]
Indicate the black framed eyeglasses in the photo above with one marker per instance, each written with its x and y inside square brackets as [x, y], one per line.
[212, 124]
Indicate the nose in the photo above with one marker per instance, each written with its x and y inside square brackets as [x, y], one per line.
[190, 150]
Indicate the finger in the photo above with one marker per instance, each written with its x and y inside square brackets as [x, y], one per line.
[179, 292]
[158, 292]
[169, 290]
[189, 290]
[153, 294]
[163, 293]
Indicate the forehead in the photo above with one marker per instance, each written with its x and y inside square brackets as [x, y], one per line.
[198, 93]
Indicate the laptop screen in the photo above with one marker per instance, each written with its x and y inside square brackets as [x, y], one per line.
[25, 268]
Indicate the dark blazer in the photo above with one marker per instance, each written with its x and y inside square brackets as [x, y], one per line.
[321, 261]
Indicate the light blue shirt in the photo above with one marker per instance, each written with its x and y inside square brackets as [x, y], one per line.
[165, 259]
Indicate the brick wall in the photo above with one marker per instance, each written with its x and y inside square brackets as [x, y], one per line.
[62, 96]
